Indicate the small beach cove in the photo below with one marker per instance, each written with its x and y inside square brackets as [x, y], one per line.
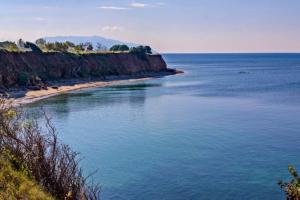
[22, 97]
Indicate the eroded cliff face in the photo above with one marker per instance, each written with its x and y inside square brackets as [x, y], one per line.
[30, 69]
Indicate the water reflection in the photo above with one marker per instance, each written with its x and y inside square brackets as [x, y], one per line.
[91, 99]
[142, 86]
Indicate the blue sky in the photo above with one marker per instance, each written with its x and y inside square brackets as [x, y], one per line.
[166, 25]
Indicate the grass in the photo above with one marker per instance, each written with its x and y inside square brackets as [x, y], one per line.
[15, 184]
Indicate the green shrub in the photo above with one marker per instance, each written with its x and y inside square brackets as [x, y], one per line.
[292, 187]
[141, 51]
[79, 48]
[119, 47]
[89, 46]
[40, 42]
[33, 47]
[9, 46]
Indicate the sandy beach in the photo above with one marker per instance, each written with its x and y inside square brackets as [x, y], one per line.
[33, 96]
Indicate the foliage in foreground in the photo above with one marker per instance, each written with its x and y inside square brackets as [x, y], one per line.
[15, 184]
[51, 164]
[291, 188]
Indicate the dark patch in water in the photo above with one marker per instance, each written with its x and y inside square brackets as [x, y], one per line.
[135, 86]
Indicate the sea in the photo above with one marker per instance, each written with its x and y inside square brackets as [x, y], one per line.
[225, 129]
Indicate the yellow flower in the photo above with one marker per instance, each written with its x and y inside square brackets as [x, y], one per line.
[68, 196]
[10, 114]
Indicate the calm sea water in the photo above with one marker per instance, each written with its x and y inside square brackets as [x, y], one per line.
[226, 129]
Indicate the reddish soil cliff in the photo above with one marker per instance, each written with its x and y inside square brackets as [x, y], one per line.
[30, 69]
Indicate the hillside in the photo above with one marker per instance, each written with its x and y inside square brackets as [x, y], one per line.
[28, 69]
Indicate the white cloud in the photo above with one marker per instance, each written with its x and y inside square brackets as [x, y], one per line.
[139, 5]
[112, 8]
[112, 28]
[133, 5]
[144, 5]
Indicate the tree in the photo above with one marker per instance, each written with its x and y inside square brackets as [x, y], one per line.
[119, 47]
[138, 50]
[89, 47]
[49, 46]
[114, 48]
[40, 42]
[21, 43]
[62, 47]
[79, 48]
[148, 49]
[142, 50]
[9, 46]
[70, 44]
[58, 46]
[33, 47]
[123, 48]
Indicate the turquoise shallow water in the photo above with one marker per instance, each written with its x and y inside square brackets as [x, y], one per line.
[226, 129]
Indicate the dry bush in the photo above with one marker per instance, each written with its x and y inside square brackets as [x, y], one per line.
[292, 187]
[51, 163]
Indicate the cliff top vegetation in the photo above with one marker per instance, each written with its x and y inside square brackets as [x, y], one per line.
[42, 45]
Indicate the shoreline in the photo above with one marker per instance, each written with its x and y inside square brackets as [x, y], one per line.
[57, 88]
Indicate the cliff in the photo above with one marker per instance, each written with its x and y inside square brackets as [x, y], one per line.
[28, 69]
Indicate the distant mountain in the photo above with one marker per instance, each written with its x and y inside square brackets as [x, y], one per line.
[93, 39]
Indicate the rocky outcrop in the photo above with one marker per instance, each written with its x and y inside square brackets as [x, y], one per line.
[32, 69]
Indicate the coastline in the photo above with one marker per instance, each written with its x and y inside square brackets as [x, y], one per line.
[57, 88]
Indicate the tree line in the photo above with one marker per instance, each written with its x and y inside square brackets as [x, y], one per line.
[70, 46]
[41, 45]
